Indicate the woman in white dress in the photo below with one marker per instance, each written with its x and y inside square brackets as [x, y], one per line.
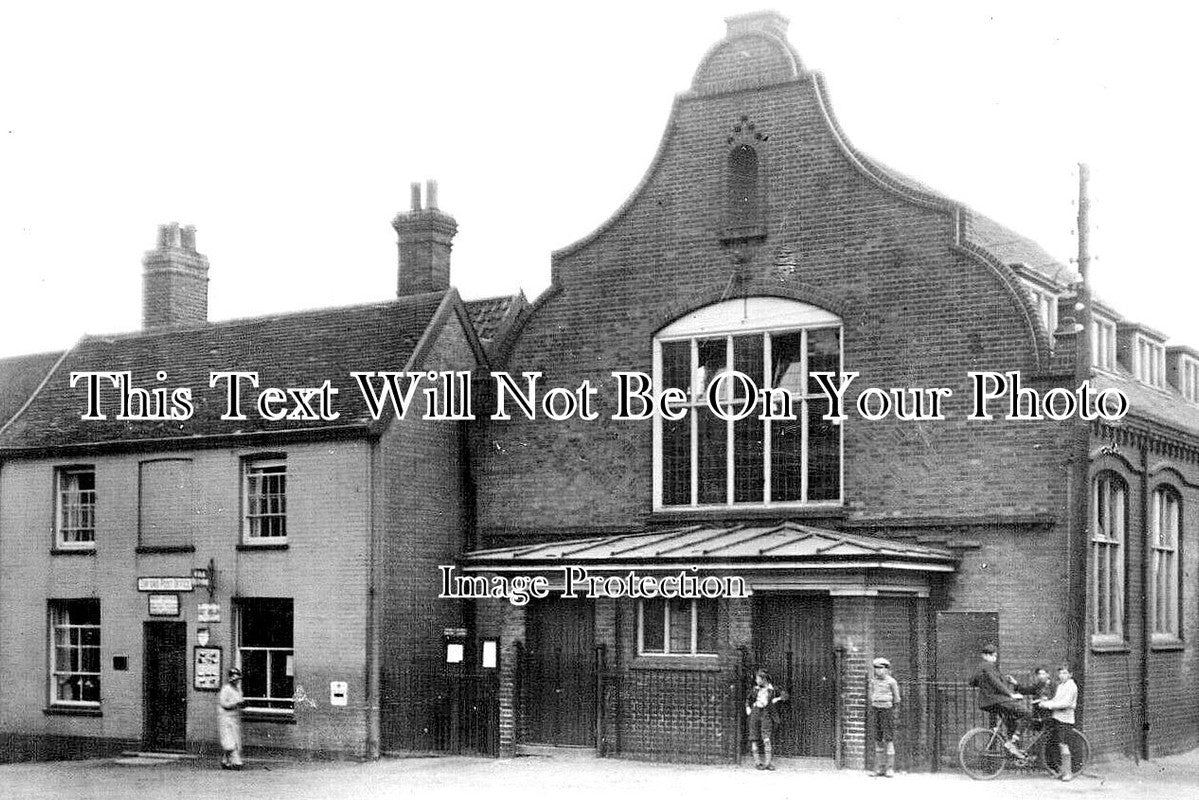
[230, 703]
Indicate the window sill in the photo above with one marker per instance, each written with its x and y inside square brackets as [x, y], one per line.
[245, 546]
[72, 711]
[166, 548]
[1166, 643]
[277, 717]
[833, 510]
[72, 551]
[1109, 646]
[678, 663]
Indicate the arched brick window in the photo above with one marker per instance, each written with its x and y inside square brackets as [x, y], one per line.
[1109, 521]
[743, 200]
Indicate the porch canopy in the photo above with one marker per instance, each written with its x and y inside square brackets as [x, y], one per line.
[774, 555]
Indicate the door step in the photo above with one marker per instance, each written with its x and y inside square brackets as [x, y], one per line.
[563, 751]
[148, 758]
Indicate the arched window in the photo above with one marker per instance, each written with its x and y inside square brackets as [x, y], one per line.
[743, 211]
[704, 460]
[1165, 533]
[1108, 529]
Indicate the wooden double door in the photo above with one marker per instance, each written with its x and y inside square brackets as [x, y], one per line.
[793, 640]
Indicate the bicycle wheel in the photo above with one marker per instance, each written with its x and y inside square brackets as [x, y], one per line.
[981, 753]
[1080, 749]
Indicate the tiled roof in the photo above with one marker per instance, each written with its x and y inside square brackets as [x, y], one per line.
[1165, 406]
[19, 378]
[742, 543]
[489, 313]
[288, 350]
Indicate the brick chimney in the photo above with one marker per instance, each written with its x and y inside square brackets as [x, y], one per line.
[426, 235]
[174, 280]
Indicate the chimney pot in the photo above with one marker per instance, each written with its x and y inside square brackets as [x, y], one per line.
[416, 196]
[431, 195]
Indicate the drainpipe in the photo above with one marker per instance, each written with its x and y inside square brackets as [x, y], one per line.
[1146, 623]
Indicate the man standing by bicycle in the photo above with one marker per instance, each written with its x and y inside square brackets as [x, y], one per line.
[1062, 705]
[995, 697]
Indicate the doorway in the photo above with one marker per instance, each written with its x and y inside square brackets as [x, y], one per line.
[165, 685]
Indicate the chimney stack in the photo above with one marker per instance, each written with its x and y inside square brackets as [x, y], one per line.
[174, 280]
[426, 236]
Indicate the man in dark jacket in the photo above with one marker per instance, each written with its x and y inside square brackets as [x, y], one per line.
[996, 697]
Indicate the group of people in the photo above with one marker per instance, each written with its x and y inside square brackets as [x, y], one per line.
[1051, 704]
[761, 706]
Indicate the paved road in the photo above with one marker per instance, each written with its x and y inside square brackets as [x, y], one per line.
[489, 779]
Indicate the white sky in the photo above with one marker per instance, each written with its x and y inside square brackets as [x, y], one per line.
[288, 135]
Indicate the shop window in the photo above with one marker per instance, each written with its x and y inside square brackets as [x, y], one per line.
[265, 653]
[704, 460]
[75, 653]
[265, 501]
[1108, 528]
[75, 515]
[1165, 517]
[676, 627]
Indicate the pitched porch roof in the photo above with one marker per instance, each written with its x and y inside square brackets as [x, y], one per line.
[761, 545]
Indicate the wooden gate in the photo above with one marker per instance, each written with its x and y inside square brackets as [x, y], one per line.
[793, 639]
[558, 674]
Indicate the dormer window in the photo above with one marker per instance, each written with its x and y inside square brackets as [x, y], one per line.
[1103, 344]
[1149, 362]
[1188, 378]
[1046, 303]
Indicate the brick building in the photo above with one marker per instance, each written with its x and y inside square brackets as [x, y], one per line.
[315, 541]
[761, 240]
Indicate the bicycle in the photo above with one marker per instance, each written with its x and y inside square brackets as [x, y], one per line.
[983, 752]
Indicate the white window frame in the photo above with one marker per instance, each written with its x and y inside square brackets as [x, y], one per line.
[693, 651]
[1109, 530]
[61, 625]
[767, 316]
[1188, 378]
[79, 505]
[1149, 361]
[1165, 536]
[272, 653]
[1103, 344]
[252, 521]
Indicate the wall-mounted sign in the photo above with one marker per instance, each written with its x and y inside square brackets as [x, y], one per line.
[206, 669]
[179, 584]
[202, 636]
[454, 633]
[163, 605]
[200, 577]
[208, 612]
[338, 692]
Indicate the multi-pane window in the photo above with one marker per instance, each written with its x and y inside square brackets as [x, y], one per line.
[1108, 525]
[1164, 527]
[1103, 344]
[1149, 364]
[709, 459]
[266, 500]
[1188, 378]
[75, 514]
[75, 652]
[676, 627]
[264, 650]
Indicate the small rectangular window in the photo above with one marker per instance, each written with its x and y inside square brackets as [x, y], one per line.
[676, 627]
[265, 501]
[75, 516]
[75, 653]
